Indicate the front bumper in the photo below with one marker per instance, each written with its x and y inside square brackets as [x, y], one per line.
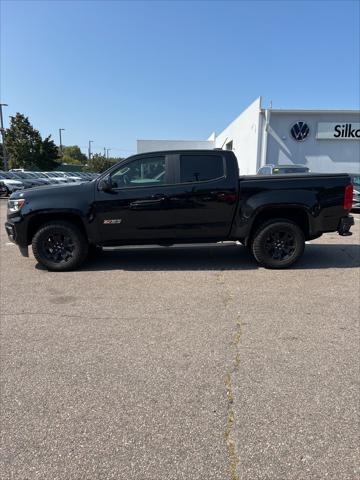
[10, 230]
[13, 237]
[344, 226]
[16, 229]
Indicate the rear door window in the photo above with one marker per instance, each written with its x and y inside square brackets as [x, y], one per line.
[200, 168]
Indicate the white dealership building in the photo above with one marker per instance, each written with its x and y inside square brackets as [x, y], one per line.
[323, 140]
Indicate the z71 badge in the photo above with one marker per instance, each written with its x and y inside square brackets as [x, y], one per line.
[112, 221]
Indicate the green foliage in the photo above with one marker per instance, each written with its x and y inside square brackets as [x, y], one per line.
[73, 155]
[26, 148]
[99, 163]
[71, 160]
[48, 158]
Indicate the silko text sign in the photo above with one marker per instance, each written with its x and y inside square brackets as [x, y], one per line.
[338, 131]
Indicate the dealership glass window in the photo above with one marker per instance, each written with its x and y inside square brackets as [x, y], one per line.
[141, 172]
[264, 171]
[199, 168]
[229, 145]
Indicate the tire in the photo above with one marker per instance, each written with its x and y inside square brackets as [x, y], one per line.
[278, 243]
[59, 246]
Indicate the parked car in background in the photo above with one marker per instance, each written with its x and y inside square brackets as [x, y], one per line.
[74, 176]
[356, 192]
[42, 179]
[19, 178]
[11, 184]
[282, 169]
[3, 189]
[42, 176]
[78, 176]
[28, 179]
[86, 176]
[57, 176]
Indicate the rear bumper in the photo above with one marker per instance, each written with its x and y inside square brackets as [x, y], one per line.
[344, 225]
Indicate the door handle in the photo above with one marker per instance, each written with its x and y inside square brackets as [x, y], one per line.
[159, 196]
[153, 202]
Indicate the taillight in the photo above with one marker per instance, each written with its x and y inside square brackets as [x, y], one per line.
[348, 197]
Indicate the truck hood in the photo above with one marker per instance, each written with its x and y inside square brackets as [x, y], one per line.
[49, 191]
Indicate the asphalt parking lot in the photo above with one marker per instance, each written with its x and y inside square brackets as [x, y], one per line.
[181, 363]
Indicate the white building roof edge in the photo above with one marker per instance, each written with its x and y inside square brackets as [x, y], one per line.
[314, 112]
[169, 140]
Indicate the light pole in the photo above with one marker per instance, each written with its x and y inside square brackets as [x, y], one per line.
[89, 150]
[3, 136]
[61, 150]
[107, 152]
[104, 152]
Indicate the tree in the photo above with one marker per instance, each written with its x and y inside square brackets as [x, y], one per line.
[48, 158]
[99, 163]
[73, 154]
[70, 160]
[26, 148]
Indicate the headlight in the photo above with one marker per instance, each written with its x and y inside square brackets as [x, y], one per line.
[16, 205]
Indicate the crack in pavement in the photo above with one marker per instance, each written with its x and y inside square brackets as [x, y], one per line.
[231, 420]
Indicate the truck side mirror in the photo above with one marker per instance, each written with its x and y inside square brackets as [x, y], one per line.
[105, 184]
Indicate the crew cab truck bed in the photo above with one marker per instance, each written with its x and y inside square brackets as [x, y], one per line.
[184, 196]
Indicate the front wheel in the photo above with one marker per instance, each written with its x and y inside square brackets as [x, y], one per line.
[278, 243]
[59, 246]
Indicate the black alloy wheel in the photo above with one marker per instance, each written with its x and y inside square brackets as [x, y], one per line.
[60, 246]
[278, 243]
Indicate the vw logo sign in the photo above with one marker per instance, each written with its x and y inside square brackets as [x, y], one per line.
[299, 131]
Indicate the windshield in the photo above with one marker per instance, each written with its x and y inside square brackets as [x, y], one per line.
[55, 175]
[5, 175]
[23, 175]
[14, 176]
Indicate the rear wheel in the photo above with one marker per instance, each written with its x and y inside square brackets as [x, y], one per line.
[278, 243]
[59, 246]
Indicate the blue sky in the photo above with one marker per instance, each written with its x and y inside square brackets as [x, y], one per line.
[116, 71]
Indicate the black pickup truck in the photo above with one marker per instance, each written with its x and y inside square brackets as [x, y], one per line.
[185, 196]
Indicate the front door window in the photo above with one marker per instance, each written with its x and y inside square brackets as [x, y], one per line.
[140, 173]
